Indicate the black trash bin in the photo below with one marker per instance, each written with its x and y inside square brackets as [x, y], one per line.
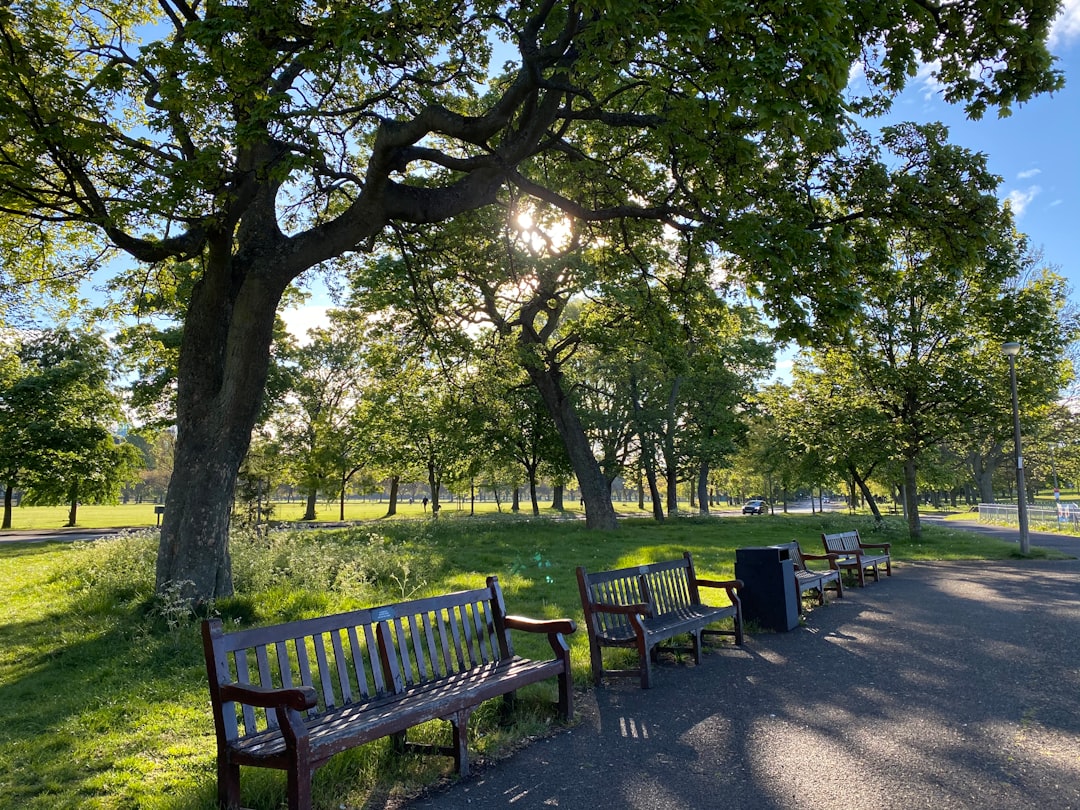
[768, 592]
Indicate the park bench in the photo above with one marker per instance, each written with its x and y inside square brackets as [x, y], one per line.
[292, 695]
[852, 554]
[642, 606]
[807, 579]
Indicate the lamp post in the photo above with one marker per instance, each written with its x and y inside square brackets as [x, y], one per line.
[1011, 350]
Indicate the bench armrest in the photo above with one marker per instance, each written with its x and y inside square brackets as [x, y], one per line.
[297, 698]
[726, 584]
[643, 608]
[806, 556]
[885, 546]
[564, 626]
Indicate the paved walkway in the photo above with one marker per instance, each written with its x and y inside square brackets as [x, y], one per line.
[948, 685]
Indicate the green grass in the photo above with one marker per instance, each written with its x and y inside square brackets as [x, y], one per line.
[132, 515]
[103, 700]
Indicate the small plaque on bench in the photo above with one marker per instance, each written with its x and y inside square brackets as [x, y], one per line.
[383, 613]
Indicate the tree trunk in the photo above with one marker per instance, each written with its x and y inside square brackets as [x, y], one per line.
[860, 482]
[671, 461]
[911, 499]
[983, 472]
[599, 511]
[391, 508]
[9, 490]
[703, 494]
[654, 490]
[73, 500]
[434, 485]
[224, 358]
[533, 498]
[309, 510]
[515, 504]
[558, 492]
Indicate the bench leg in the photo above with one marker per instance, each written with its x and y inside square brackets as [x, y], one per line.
[697, 647]
[399, 743]
[645, 657]
[597, 662]
[300, 786]
[228, 785]
[460, 722]
[566, 696]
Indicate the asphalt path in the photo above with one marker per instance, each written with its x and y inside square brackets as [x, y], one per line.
[56, 535]
[947, 685]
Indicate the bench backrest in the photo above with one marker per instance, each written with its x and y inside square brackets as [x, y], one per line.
[351, 657]
[664, 586]
[841, 543]
[795, 554]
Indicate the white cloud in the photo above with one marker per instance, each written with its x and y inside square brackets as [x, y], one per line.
[1020, 199]
[1027, 175]
[1066, 28]
[926, 79]
[299, 320]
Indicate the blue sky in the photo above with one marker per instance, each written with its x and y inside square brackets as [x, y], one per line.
[1036, 151]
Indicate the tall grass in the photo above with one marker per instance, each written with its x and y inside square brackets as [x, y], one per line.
[103, 698]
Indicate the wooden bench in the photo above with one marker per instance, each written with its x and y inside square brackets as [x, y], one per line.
[642, 606]
[290, 696]
[807, 579]
[852, 554]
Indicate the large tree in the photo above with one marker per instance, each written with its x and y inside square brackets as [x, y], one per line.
[230, 147]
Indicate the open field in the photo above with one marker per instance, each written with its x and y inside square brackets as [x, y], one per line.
[103, 700]
[137, 515]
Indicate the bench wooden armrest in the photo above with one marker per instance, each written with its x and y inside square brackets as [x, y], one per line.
[298, 698]
[806, 556]
[564, 626]
[885, 546]
[643, 608]
[726, 584]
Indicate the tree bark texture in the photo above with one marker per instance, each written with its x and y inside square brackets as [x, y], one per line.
[599, 512]
[395, 482]
[911, 499]
[224, 359]
[309, 509]
[864, 489]
[703, 495]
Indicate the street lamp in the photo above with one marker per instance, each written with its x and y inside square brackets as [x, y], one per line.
[1011, 350]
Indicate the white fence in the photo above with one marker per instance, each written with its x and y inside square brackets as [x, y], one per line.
[1041, 517]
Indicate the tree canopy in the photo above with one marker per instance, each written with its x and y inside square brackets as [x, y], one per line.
[230, 147]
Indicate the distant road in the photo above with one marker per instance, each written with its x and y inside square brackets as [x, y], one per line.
[1065, 543]
[55, 535]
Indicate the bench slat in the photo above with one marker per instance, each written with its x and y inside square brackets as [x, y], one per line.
[358, 668]
[325, 678]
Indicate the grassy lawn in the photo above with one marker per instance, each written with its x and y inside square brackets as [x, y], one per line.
[103, 700]
[136, 515]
